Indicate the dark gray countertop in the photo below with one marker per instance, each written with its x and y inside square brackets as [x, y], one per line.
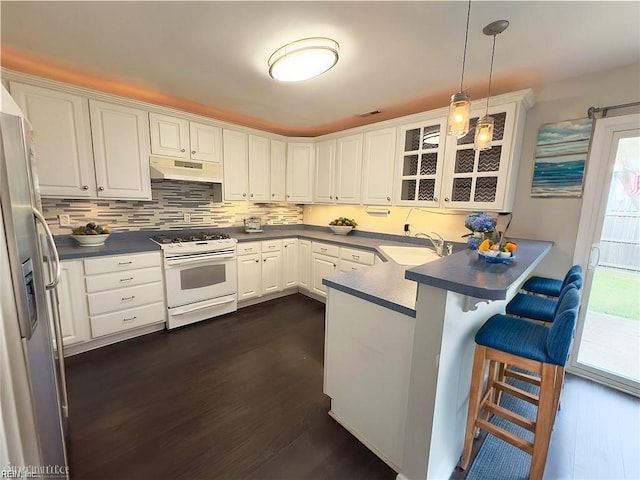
[467, 274]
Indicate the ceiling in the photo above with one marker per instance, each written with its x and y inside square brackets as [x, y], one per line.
[398, 57]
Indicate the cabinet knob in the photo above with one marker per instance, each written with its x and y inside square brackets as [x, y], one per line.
[331, 197]
[244, 194]
[288, 196]
[252, 195]
[336, 198]
[101, 189]
[257, 261]
[193, 152]
[388, 199]
[264, 260]
[273, 194]
[182, 150]
[435, 199]
[446, 199]
[85, 187]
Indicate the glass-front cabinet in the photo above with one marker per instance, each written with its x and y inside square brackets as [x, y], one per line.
[478, 179]
[420, 167]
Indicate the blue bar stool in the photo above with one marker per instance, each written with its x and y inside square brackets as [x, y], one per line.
[539, 308]
[549, 287]
[506, 341]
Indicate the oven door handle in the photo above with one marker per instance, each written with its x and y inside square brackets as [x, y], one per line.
[177, 262]
[181, 310]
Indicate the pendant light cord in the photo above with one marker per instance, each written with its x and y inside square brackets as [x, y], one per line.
[493, 51]
[466, 37]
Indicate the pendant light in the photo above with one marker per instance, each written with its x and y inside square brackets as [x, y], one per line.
[460, 107]
[484, 128]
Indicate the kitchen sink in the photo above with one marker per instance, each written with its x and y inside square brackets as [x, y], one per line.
[409, 255]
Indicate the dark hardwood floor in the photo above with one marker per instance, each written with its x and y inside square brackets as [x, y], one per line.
[232, 398]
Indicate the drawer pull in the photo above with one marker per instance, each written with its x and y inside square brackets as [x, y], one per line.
[323, 249]
[125, 263]
[127, 298]
[272, 246]
[131, 319]
[126, 279]
[355, 257]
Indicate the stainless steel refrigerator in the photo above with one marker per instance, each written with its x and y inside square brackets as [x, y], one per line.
[34, 272]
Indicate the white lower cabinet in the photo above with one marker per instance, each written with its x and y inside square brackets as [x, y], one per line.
[290, 263]
[74, 315]
[124, 292]
[265, 267]
[271, 272]
[249, 276]
[325, 259]
[304, 258]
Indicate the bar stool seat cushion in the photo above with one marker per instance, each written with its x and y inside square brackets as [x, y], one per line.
[543, 286]
[515, 336]
[530, 306]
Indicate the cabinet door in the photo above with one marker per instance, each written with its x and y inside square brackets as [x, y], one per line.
[278, 170]
[323, 266]
[378, 167]
[271, 272]
[236, 165]
[348, 175]
[304, 258]
[420, 166]
[169, 135]
[259, 168]
[290, 263]
[74, 315]
[324, 173]
[205, 142]
[300, 172]
[249, 276]
[121, 151]
[61, 138]
[477, 180]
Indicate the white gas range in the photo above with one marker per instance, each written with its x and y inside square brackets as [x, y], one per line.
[200, 276]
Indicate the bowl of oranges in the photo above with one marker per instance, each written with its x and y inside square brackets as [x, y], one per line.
[494, 252]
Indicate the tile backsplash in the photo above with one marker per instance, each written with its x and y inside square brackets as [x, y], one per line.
[171, 200]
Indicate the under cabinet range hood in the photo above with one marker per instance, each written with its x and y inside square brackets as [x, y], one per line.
[167, 168]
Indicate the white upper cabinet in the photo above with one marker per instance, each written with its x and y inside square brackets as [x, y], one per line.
[177, 137]
[483, 180]
[278, 172]
[348, 171]
[120, 150]
[324, 172]
[259, 168]
[420, 164]
[205, 142]
[378, 167]
[62, 140]
[300, 172]
[236, 165]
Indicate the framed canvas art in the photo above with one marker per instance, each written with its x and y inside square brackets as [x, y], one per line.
[561, 155]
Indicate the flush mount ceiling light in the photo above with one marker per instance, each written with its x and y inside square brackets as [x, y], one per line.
[303, 59]
[460, 107]
[484, 128]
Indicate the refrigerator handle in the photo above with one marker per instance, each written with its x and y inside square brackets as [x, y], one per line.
[52, 247]
[57, 326]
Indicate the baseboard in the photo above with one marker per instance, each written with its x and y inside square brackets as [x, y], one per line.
[119, 337]
[310, 294]
[400, 476]
[266, 298]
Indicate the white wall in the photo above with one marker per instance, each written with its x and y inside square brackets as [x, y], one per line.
[554, 219]
[557, 219]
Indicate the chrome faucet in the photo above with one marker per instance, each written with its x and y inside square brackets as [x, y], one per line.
[437, 242]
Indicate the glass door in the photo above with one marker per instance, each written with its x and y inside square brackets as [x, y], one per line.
[607, 345]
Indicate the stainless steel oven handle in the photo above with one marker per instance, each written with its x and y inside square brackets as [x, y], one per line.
[176, 262]
[52, 248]
[182, 311]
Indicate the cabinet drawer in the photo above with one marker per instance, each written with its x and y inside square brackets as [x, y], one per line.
[130, 278]
[271, 246]
[348, 265]
[325, 249]
[249, 248]
[125, 298]
[126, 319]
[358, 256]
[121, 262]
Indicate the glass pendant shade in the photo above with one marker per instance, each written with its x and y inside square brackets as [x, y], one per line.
[459, 113]
[484, 134]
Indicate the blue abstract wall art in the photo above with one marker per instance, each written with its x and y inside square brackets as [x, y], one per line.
[560, 158]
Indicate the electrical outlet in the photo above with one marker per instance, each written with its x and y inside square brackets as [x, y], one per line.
[64, 220]
[186, 217]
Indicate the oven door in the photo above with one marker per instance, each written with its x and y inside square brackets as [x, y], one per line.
[199, 277]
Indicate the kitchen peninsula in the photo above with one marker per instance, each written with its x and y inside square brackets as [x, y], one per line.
[398, 353]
